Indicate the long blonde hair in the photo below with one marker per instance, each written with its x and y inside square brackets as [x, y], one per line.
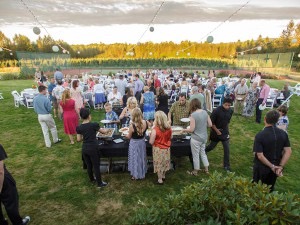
[66, 95]
[161, 120]
[137, 119]
[133, 101]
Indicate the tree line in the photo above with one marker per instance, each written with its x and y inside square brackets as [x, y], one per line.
[288, 41]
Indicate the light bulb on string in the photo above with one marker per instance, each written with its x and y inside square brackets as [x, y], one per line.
[55, 48]
[259, 48]
[210, 39]
[36, 30]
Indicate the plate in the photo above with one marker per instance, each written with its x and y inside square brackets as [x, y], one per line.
[185, 120]
[239, 99]
[123, 129]
[262, 107]
[105, 121]
[125, 132]
[117, 141]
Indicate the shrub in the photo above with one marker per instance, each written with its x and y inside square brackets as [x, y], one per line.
[9, 76]
[27, 72]
[222, 200]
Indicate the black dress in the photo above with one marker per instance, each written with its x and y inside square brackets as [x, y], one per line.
[163, 104]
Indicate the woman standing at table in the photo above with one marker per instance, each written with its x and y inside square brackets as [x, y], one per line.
[126, 113]
[70, 118]
[76, 94]
[160, 139]
[137, 155]
[199, 121]
[86, 132]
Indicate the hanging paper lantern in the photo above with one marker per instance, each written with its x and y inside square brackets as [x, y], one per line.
[1, 49]
[64, 51]
[78, 52]
[188, 54]
[55, 48]
[259, 48]
[11, 53]
[210, 39]
[294, 40]
[242, 53]
[299, 55]
[150, 53]
[36, 30]
[151, 29]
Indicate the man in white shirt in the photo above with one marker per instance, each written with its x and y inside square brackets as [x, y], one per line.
[114, 97]
[121, 84]
[240, 92]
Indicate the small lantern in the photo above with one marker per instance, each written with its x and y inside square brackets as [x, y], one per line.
[36, 30]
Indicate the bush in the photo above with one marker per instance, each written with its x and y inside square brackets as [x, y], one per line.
[9, 76]
[27, 72]
[222, 200]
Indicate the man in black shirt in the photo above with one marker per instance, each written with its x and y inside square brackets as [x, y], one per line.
[220, 119]
[272, 151]
[9, 195]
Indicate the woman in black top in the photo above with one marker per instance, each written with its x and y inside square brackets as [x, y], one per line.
[162, 101]
[86, 132]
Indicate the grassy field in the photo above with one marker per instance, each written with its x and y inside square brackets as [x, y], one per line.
[54, 189]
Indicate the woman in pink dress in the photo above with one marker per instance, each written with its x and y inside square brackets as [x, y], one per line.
[70, 115]
[76, 95]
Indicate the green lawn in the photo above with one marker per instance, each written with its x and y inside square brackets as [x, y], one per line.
[54, 189]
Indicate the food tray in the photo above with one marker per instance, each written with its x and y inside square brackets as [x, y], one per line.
[109, 134]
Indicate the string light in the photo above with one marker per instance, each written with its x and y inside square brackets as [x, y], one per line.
[148, 26]
[220, 24]
[38, 22]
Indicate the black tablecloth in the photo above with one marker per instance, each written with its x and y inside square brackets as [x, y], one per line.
[111, 149]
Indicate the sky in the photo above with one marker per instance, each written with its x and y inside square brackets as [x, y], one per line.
[116, 21]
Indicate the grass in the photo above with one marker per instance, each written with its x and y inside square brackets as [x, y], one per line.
[54, 189]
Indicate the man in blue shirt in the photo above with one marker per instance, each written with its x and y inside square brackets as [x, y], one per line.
[51, 86]
[42, 106]
[138, 87]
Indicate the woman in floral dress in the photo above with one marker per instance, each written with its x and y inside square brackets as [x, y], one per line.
[251, 99]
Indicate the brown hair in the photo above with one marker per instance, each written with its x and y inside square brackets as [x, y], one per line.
[194, 105]
[75, 84]
[283, 109]
[137, 119]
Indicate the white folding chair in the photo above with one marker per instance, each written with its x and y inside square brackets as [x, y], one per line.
[216, 100]
[29, 102]
[1, 97]
[18, 99]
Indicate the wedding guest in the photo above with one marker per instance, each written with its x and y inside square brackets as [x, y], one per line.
[126, 113]
[99, 95]
[114, 97]
[52, 99]
[128, 94]
[199, 121]
[70, 113]
[262, 99]
[251, 99]
[86, 132]
[179, 110]
[162, 101]
[240, 92]
[160, 140]
[77, 95]
[272, 151]
[148, 103]
[42, 107]
[111, 115]
[283, 121]
[137, 156]
[57, 95]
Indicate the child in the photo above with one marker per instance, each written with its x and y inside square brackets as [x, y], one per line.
[283, 121]
[86, 132]
[111, 115]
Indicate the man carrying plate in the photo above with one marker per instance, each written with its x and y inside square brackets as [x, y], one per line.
[240, 93]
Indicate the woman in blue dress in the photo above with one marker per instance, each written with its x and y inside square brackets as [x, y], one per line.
[148, 99]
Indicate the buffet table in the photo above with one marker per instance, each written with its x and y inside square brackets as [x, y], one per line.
[111, 149]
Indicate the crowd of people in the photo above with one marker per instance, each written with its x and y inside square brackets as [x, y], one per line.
[157, 99]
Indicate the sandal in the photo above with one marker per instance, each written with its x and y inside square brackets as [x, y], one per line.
[205, 171]
[193, 173]
[133, 178]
